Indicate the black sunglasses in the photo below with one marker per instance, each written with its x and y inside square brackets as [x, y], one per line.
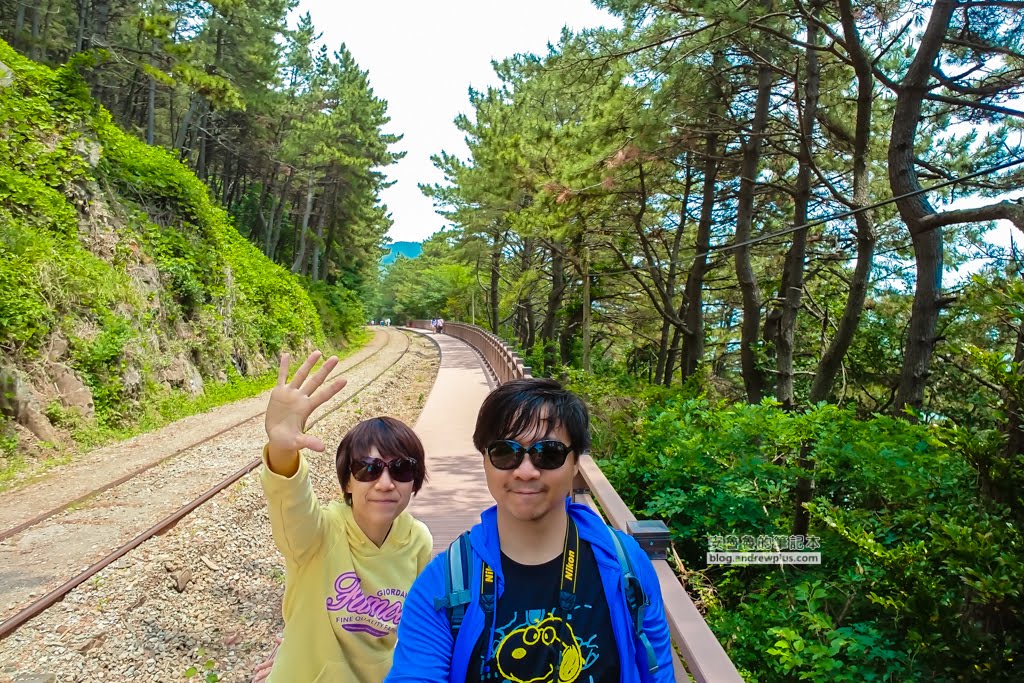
[545, 455]
[401, 469]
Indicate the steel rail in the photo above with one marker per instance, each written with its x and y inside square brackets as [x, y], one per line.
[43, 516]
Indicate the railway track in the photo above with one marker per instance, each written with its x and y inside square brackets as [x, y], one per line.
[391, 353]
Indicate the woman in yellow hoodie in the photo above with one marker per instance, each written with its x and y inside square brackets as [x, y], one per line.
[348, 565]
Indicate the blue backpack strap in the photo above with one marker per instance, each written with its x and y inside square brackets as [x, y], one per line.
[636, 599]
[456, 572]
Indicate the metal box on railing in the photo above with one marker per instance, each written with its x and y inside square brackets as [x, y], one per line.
[652, 535]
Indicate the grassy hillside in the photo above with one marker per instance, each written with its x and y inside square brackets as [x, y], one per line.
[123, 287]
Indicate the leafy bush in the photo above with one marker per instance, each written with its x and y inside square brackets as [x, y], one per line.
[340, 310]
[921, 573]
[8, 440]
[100, 361]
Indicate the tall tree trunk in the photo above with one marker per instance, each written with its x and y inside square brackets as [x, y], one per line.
[554, 305]
[529, 331]
[928, 244]
[923, 221]
[795, 262]
[792, 295]
[753, 382]
[300, 256]
[531, 326]
[151, 106]
[670, 322]
[494, 282]
[186, 124]
[330, 199]
[277, 218]
[19, 23]
[39, 40]
[1014, 429]
[585, 318]
[315, 270]
[661, 375]
[569, 333]
[674, 350]
[693, 296]
[202, 135]
[83, 8]
[266, 220]
[832, 358]
[101, 17]
[277, 204]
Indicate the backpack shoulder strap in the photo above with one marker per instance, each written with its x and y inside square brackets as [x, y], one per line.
[636, 599]
[456, 572]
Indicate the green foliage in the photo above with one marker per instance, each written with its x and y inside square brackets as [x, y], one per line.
[8, 440]
[100, 361]
[921, 573]
[207, 670]
[340, 311]
[45, 278]
[430, 285]
[70, 180]
[25, 318]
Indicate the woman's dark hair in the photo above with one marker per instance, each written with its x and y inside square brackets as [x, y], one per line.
[393, 438]
[525, 405]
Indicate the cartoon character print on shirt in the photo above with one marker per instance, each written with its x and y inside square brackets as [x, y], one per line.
[539, 637]
[361, 613]
[521, 645]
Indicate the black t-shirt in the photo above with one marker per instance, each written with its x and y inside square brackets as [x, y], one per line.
[534, 642]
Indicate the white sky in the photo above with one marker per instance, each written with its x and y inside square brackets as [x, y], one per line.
[422, 57]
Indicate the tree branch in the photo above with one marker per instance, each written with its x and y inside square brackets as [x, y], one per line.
[1005, 210]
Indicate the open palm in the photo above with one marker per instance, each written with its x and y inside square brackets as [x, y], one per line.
[291, 403]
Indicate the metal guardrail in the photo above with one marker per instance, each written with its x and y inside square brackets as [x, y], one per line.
[704, 660]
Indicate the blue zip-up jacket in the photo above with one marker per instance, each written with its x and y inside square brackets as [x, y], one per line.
[425, 650]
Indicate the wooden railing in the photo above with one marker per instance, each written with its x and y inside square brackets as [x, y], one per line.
[703, 658]
[502, 360]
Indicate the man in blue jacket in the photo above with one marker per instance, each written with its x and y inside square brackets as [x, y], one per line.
[546, 596]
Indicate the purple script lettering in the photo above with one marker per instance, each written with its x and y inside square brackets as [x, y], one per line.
[350, 598]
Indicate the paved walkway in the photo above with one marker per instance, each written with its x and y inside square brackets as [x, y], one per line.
[455, 493]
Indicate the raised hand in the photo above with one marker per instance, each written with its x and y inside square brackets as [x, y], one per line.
[291, 404]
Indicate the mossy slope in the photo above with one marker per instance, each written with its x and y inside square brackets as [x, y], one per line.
[121, 282]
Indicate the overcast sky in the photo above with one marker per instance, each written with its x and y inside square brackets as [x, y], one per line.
[422, 57]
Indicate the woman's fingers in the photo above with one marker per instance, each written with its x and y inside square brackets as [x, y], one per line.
[325, 394]
[303, 372]
[309, 387]
[282, 369]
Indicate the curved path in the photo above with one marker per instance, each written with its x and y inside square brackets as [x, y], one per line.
[456, 492]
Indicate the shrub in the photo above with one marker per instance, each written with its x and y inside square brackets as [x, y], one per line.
[921, 573]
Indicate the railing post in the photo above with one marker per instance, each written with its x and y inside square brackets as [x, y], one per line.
[652, 535]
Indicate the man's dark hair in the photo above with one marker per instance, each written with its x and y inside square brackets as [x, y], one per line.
[525, 405]
[393, 438]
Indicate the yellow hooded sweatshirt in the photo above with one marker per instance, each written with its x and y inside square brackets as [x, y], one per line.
[343, 595]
